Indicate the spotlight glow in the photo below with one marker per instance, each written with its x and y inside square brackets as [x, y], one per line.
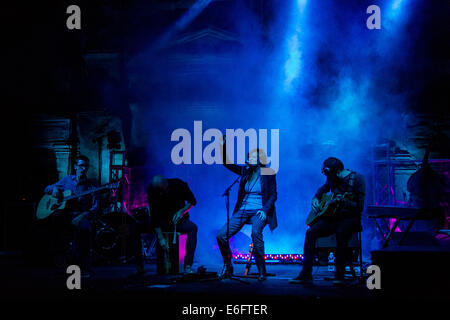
[292, 66]
[396, 4]
[396, 11]
[181, 23]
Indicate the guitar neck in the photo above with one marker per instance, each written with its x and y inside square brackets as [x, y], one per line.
[85, 193]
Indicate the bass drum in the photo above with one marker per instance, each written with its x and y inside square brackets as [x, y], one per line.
[112, 234]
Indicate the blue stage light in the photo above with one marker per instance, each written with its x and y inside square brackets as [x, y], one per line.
[396, 4]
[292, 65]
[181, 23]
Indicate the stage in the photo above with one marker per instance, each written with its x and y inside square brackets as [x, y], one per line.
[295, 131]
[119, 282]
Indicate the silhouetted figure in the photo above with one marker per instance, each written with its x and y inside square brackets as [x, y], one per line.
[79, 212]
[426, 188]
[345, 221]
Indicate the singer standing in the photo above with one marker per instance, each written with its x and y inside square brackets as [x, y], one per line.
[255, 205]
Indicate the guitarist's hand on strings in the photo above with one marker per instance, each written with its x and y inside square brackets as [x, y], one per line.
[315, 204]
[339, 199]
[57, 193]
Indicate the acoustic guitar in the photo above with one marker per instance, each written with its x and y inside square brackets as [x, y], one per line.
[49, 204]
[329, 204]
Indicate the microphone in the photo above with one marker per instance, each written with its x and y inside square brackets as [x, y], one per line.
[249, 166]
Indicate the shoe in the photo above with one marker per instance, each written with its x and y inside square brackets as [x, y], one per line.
[188, 269]
[302, 278]
[262, 272]
[262, 276]
[227, 271]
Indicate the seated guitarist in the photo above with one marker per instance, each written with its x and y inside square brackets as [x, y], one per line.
[344, 222]
[77, 212]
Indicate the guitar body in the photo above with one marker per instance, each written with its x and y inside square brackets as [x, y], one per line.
[50, 204]
[314, 215]
[327, 206]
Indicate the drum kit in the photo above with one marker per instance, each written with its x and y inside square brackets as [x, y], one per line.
[111, 235]
[112, 232]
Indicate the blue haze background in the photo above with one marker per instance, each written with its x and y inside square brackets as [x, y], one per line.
[331, 86]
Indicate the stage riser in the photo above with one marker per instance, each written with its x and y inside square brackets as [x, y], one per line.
[413, 271]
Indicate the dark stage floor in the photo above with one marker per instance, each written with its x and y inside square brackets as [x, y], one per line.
[20, 281]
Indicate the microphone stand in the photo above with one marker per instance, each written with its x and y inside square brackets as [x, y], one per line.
[226, 194]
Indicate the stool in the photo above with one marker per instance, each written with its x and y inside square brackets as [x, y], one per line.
[248, 265]
[168, 262]
[353, 243]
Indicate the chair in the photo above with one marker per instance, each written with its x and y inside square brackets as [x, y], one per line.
[353, 243]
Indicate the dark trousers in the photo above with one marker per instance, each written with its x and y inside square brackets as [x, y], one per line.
[187, 227]
[237, 221]
[184, 226]
[83, 243]
[342, 228]
[82, 240]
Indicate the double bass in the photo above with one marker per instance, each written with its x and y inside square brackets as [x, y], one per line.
[426, 189]
[425, 186]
